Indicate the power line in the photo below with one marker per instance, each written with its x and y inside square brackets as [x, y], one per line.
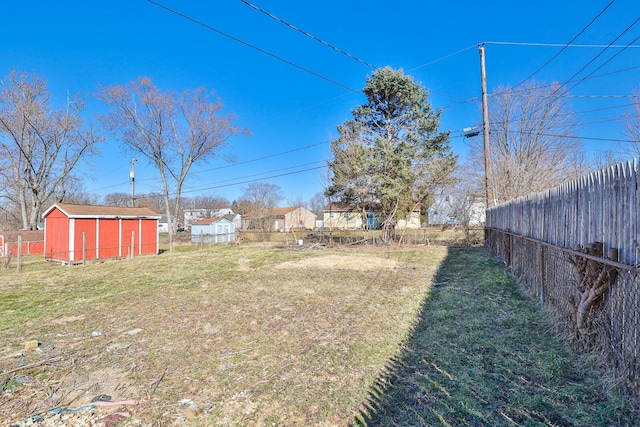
[568, 44]
[562, 87]
[605, 62]
[599, 96]
[257, 180]
[270, 15]
[535, 95]
[265, 157]
[230, 165]
[589, 46]
[520, 91]
[577, 137]
[443, 58]
[603, 119]
[464, 101]
[315, 38]
[600, 53]
[279, 58]
[261, 173]
[214, 187]
[573, 113]
[293, 27]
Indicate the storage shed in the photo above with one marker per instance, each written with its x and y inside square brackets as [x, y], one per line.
[32, 242]
[74, 233]
[213, 230]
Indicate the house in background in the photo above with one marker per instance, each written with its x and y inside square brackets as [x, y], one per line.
[193, 215]
[163, 224]
[452, 208]
[32, 243]
[411, 222]
[280, 219]
[348, 218]
[74, 233]
[213, 230]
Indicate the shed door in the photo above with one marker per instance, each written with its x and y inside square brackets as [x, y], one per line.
[222, 233]
[108, 237]
[129, 237]
[84, 234]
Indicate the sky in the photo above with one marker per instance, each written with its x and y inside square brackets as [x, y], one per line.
[291, 91]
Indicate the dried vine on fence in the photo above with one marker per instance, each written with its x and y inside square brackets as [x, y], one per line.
[595, 278]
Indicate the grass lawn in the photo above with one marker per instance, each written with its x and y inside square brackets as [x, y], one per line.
[481, 354]
[257, 335]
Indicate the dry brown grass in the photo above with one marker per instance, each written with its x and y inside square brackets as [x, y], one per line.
[259, 335]
[252, 335]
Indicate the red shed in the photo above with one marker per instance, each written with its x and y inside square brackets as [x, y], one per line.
[73, 233]
[32, 242]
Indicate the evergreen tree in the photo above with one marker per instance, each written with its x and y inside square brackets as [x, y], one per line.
[379, 153]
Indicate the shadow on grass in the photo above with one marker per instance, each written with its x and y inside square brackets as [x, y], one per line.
[481, 354]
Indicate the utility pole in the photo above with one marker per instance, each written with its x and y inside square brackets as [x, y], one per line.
[485, 127]
[132, 175]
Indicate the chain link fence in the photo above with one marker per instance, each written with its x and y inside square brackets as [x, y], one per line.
[607, 325]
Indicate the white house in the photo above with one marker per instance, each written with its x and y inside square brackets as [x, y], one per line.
[163, 224]
[193, 215]
[450, 208]
[280, 219]
[345, 218]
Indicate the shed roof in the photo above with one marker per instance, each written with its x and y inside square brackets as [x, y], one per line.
[206, 221]
[93, 211]
[28, 235]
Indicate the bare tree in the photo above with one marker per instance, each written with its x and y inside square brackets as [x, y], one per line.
[434, 174]
[40, 146]
[533, 145]
[172, 131]
[72, 190]
[467, 200]
[262, 195]
[10, 215]
[153, 201]
[117, 199]
[318, 203]
[207, 206]
[258, 201]
[633, 128]
[211, 202]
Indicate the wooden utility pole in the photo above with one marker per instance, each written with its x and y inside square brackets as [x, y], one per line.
[485, 127]
[132, 175]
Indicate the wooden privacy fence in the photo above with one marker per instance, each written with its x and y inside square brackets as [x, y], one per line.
[575, 249]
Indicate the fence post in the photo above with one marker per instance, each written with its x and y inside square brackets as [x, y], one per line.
[19, 261]
[133, 241]
[84, 248]
[542, 274]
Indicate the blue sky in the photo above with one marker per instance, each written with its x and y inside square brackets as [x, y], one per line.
[292, 113]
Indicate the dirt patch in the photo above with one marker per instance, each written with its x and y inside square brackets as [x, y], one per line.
[343, 262]
[67, 319]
